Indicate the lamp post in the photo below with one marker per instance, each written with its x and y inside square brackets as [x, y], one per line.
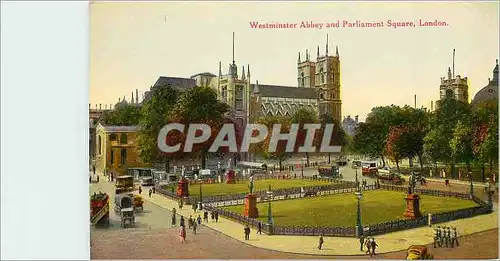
[302, 168]
[201, 199]
[489, 191]
[269, 213]
[357, 181]
[471, 185]
[359, 226]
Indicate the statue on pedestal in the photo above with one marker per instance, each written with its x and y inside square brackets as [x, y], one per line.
[251, 185]
[411, 184]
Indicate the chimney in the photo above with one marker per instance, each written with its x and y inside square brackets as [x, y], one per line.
[356, 118]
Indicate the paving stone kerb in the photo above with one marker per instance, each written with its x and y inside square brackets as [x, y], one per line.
[333, 246]
[371, 230]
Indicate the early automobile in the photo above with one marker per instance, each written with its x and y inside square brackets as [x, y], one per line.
[329, 171]
[418, 252]
[124, 207]
[369, 168]
[392, 179]
[148, 181]
[124, 184]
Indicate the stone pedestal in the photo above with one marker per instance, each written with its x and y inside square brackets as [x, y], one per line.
[412, 206]
[230, 177]
[251, 206]
[182, 188]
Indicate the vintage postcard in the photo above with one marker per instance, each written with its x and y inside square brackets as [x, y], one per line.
[261, 130]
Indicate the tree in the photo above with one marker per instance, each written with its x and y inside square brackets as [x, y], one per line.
[461, 143]
[153, 117]
[339, 136]
[434, 146]
[280, 153]
[445, 118]
[122, 115]
[396, 144]
[417, 121]
[370, 139]
[301, 117]
[199, 105]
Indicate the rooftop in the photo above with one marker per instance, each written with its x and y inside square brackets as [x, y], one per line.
[286, 91]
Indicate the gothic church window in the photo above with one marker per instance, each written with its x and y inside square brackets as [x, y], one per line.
[224, 93]
[302, 79]
[239, 98]
[112, 137]
[322, 75]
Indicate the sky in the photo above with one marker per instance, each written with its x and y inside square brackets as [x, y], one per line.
[132, 44]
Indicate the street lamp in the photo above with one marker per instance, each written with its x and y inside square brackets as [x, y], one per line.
[359, 227]
[201, 199]
[357, 182]
[269, 213]
[471, 185]
[302, 168]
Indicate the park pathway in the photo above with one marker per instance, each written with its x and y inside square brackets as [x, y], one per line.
[390, 242]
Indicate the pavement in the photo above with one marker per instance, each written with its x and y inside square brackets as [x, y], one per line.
[343, 246]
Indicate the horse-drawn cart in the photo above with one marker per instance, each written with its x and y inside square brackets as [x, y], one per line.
[124, 206]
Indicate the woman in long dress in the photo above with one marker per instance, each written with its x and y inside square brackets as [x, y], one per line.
[182, 234]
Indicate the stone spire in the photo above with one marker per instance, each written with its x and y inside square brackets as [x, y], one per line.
[132, 101]
[248, 71]
[326, 44]
[243, 73]
[337, 51]
[136, 96]
[256, 88]
[307, 55]
[318, 50]
[220, 69]
[298, 61]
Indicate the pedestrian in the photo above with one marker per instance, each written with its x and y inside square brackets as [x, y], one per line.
[368, 245]
[247, 232]
[374, 246]
[181, 222]
[194, 227]
[440, 236]
[216, 216]
[190, 222]
[97, 178]
[259, 228]
[212, 215]
[361, 242]
[182, 234]
[436, 237]
[90, 178]
[173, 220]
[199, 220]
[454, 237]
[447, 238]
[205, 216]
[194, 207]
[93, 169]
[320, 244]
[180, 204]
[140, 190]
[150, 192]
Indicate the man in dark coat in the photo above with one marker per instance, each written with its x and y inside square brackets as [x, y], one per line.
[374, 246]
[212, 215]
[259, 228]
[361, 242]
[216, 216]
[247, 232]
[205, 216]
[181, 222]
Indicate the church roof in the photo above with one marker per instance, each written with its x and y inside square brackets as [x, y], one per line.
[286, 91]
[175, 82]
[120, 128]
[204, 74]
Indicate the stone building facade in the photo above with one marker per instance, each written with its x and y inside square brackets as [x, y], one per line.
[116, 148]
[349, 125]
[454, 86]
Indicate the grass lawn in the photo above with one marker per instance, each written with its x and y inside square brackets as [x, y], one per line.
[340, 210]
[242, 187]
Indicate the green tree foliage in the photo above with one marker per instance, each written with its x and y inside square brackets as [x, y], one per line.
[262, 148]
[199, 105]
[339, 136]
[153, 117]
[461, 144]
[122, 115]
[301, 117]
